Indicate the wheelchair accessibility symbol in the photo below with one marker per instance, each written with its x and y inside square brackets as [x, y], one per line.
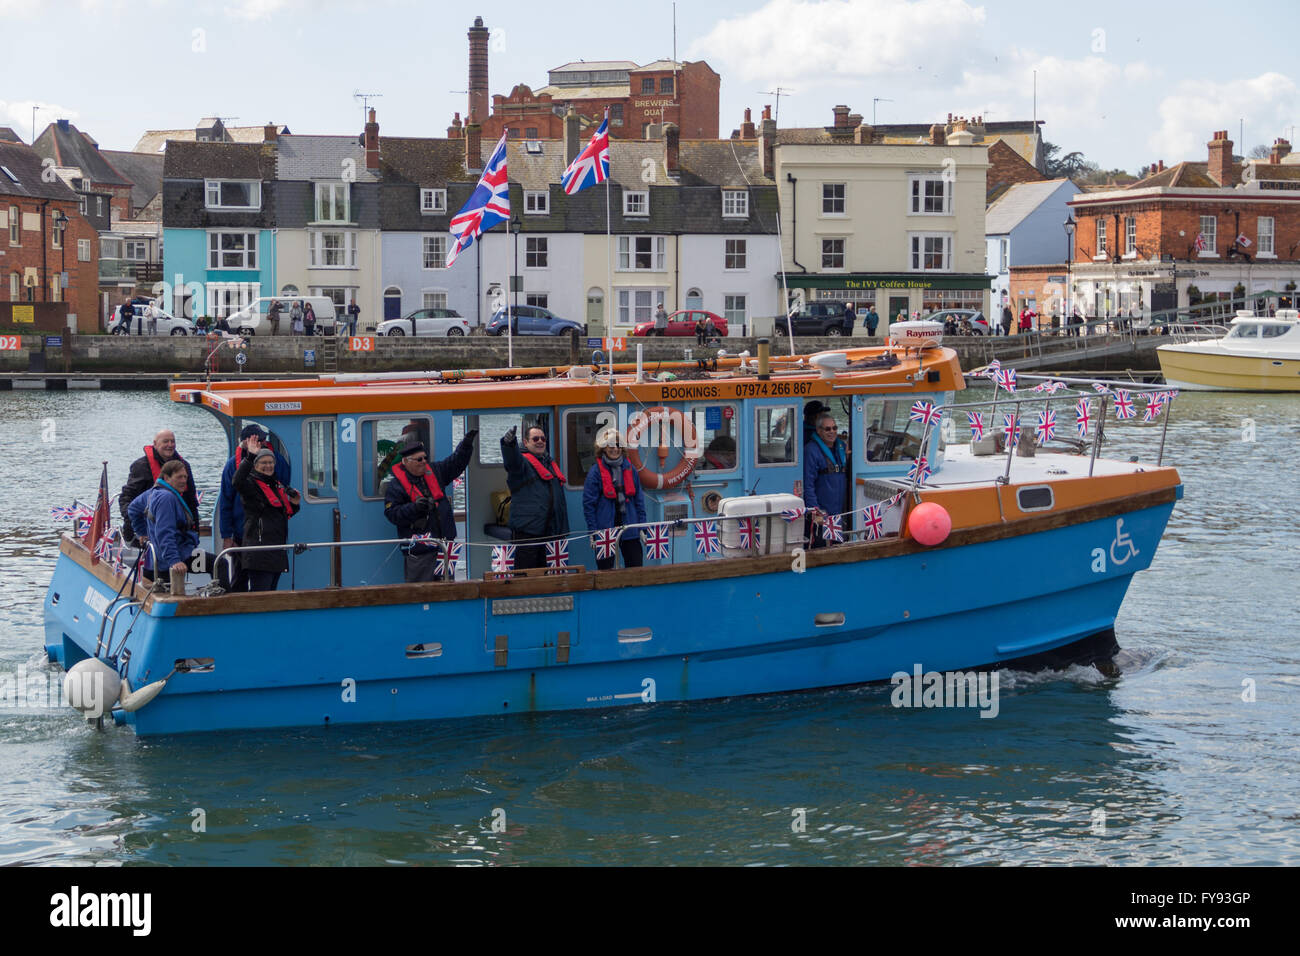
[1121, 550]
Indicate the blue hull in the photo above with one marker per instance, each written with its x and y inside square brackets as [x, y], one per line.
[953, 608]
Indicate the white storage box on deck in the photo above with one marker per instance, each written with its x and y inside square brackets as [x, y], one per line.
[775, 534]
[921, 333]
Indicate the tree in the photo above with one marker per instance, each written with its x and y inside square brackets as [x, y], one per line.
[1259, 152]
[1070, 166]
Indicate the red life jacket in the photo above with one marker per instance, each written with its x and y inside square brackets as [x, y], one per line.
[607, 482]
[155, 464]
[239, 455]
[278, 500]
[542, 472]
[431, 487]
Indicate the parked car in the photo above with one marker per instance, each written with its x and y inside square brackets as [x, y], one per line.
[824, 317]
[683, 323]
[168, 324]
[426, 322]
[533, 320]
[252, 318]
[975, 318]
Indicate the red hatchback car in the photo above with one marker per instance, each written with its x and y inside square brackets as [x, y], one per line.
[683, 323]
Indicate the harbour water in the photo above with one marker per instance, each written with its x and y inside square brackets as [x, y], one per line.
[1186, 757]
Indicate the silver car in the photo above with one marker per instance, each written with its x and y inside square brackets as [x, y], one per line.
[442, 322]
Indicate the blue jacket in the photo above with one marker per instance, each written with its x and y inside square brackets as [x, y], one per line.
[601, 512]
[170, 525]
[822, 487]
[230, 506]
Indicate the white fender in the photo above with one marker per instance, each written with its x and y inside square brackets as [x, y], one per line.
[92, 687]
[134, 700]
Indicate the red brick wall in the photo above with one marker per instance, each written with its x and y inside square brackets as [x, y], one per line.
[1007, 167]
[83, 277]
[699, 93]
[1045, 295]
[1159, 225]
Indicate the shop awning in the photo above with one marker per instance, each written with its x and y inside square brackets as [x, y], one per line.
[869, 281]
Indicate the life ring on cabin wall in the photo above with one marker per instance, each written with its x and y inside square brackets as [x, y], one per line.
[676, 418]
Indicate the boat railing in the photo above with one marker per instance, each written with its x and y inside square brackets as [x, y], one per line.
[1195, 332]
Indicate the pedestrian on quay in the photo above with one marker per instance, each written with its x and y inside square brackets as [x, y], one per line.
[124, 313]
[661, 320]
[354, 314]
[309, 319]
[871, 319]
[295, 317]
[1007, 318]
[850, 316]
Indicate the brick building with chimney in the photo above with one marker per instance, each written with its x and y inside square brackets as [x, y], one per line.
[1217, 230]
[685, 94]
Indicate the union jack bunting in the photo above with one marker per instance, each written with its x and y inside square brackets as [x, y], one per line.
[449, 559]
[63, 514]
[503, 557]
[920, 470]
[832, 529]
[925, 412]
[422, 537]
[1123, 405]
[873, 522]
[1046, 426]
[749, 536]
[706, 538]
[992, 368]
[976, 420]
[897, 499]
[557, 554]
[1100, 388]
[1006, 378]
[103, 549]
[1082, 416]
[656, 542]
[793, 514]
[591, 166]
[1040, 387]
[605, 541]
[488, 205]
[199, 497]
[1155, 405]
[85, 511]
[1011, 429]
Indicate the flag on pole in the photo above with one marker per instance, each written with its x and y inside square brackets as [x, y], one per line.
[925, 412]
[919, 471]
[99, 522]
[591, 166]
[1242, 240]
[1200, 242]
[488, 205]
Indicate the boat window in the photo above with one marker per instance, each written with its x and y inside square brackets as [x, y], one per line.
[1245, 332]
[890, 434]
[581, 426]
[320, 463]
[774, 435]
[1273, 331]
[715, 430]
[381, 440]
[492, 427]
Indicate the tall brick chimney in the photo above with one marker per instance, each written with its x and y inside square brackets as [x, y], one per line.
[1281, 150]
[270, 133]
[672, 147]
[372, 144]
[767, 142]
[478, 72]
[453, 131]
[572, 138]
[1220, 168]
[747, 127]
[936, 135]
[841, 116]
[473, 146]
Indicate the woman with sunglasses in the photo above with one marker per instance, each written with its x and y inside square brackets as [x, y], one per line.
[825, 475]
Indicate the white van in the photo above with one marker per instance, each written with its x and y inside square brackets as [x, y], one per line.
[252, 319]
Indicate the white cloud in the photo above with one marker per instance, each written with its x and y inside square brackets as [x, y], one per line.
[18, 114]
[826, 41]
[1188, 116]
[257, 9]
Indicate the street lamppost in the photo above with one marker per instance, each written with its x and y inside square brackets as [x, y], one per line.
[1070, 225]
[60, 227]
[516, 280]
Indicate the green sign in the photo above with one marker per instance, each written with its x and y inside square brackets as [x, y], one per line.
[869, 281]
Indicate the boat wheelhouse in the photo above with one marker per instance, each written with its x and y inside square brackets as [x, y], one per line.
[1257, 353]
[731, 602]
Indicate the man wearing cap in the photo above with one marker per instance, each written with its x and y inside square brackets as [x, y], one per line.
[417, 503]
[230, 505]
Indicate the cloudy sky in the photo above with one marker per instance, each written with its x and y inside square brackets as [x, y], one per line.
[1123, 82]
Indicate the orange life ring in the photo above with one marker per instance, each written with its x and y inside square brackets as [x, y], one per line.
[676, 475]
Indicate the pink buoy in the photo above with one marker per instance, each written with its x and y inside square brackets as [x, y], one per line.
[929, 523]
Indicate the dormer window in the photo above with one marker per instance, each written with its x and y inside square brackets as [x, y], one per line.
[636, 203]
[332, 202]
[433, 201]
[233, 194]
[735, 203]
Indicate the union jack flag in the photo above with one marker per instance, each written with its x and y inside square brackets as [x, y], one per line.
[897, 499]
[1011, 429]
[605, 541]
[1171, 394]
[1046, 427]
[925, 413]
[1123, 405]
[449, 559]
[793, 514]
[706, 538]
[591, 166]
[1155, 405]
[1200, 242]
[832, 530]
[873, 522]
[1054, 387]
[422, 537]
[63, 514]
[503, 557]
[1082, 416]
[85, 511]
[557, 554]
[749, 536]
[199, 496]
[103, 549]
[488, 205]
[1099, 388]
[656, 541]
[1040, 387]
[920, 470]
[976, 420]
[992, 369]
[1006, 378]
